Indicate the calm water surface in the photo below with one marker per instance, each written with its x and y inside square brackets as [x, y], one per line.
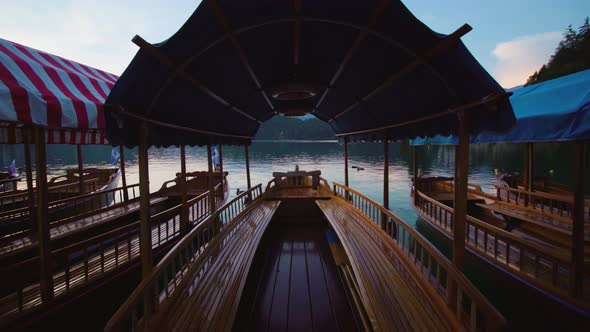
[268, 157]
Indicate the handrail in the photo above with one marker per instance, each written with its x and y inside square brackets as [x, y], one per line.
[543, 266]
[452, 288]
[170, 275]
[540, 194]
[120, 245]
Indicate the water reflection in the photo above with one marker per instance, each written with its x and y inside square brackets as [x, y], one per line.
[268, 157]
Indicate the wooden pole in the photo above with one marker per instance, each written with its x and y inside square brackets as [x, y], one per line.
[184, 220]
[385, 183]
[145, 243]
[80, 170]
[460, 190]
[221, 168]
[212, 204]
[248, 168]
[45, 264]
[528, 172]
[415, 170]
[123, 177]
[577, 285]
[346, 161]
[27, 133]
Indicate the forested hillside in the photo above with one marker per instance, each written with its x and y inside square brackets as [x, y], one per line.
[294, 128]
[571, 56]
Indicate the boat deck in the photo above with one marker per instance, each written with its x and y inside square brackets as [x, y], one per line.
[294, 284]
[63, 229]
[299, 193]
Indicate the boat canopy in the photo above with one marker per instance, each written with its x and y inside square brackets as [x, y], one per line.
[555, 110]
[369, 68]
[41, 89]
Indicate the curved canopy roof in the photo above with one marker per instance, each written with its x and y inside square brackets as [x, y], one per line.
[369, 68]
[41, 89]
[555, 110]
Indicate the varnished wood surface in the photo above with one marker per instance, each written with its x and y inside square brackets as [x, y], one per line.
[65, 229]
[294, 284]
[299, 192]
[392, 298]
[211, 303]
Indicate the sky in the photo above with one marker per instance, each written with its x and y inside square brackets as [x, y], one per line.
[510, 38]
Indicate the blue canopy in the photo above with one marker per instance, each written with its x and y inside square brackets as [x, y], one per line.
[555, 110]
[367, 67]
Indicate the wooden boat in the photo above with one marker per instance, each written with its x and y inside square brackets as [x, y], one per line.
[305, 256]
[8, 184]
[517, 232]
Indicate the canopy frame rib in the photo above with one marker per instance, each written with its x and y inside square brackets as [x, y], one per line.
[492, 99]
[441, 46]
[362, 35]
[120, 111]
[231, 34]
[179, 71]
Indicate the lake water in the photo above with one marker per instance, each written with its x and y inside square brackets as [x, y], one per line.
[268, 157]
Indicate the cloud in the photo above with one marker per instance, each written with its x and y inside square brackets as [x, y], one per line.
[96, 33]
[520, 57]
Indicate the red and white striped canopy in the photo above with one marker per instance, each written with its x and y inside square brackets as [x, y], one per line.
[38, 88]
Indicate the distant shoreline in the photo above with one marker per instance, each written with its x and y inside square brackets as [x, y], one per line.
[295, 141]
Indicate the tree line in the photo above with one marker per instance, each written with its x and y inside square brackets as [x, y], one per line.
[571, 55]
[294, 128]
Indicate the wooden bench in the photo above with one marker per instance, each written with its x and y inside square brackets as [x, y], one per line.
[62, 230]
[210, 302]
[388, 285]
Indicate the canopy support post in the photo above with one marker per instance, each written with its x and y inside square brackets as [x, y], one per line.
[27, 133]
[577, 284]
[212, 204]
[221, 168]
[184, 217]
[460, 190]
[145, 236]
[346, 165]
[123, 177]
[80, 170]
[528, 171]
[46, 275]
[248, 167]
[385, 183]
[415, 172]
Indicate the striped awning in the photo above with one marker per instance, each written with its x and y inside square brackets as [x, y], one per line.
[63, 96]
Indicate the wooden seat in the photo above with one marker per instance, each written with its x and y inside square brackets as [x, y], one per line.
[392, 297]
[60, 230]
[210, 302]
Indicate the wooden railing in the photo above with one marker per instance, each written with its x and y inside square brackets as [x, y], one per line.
[176, 270]
[547, 268]
[64, 210]
[5, 190]
[557, 206]
[77, 264]
[469, 306]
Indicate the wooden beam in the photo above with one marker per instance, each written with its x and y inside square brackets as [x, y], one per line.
[220, 151]
[296, 31]
[145, 242]
[27, 133]
[460, 192]
[577, 285]
[184, 217]
[362, 35]
[415, 170]
[441, 46]
[385, 183]
[179, 70]
[80, 169]
[223, 20]
[487, 100]
[247, 167]
[529, 172]
[43, 239]
[119, 110]
[123, 177]
[212, 203]
[346, 162]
